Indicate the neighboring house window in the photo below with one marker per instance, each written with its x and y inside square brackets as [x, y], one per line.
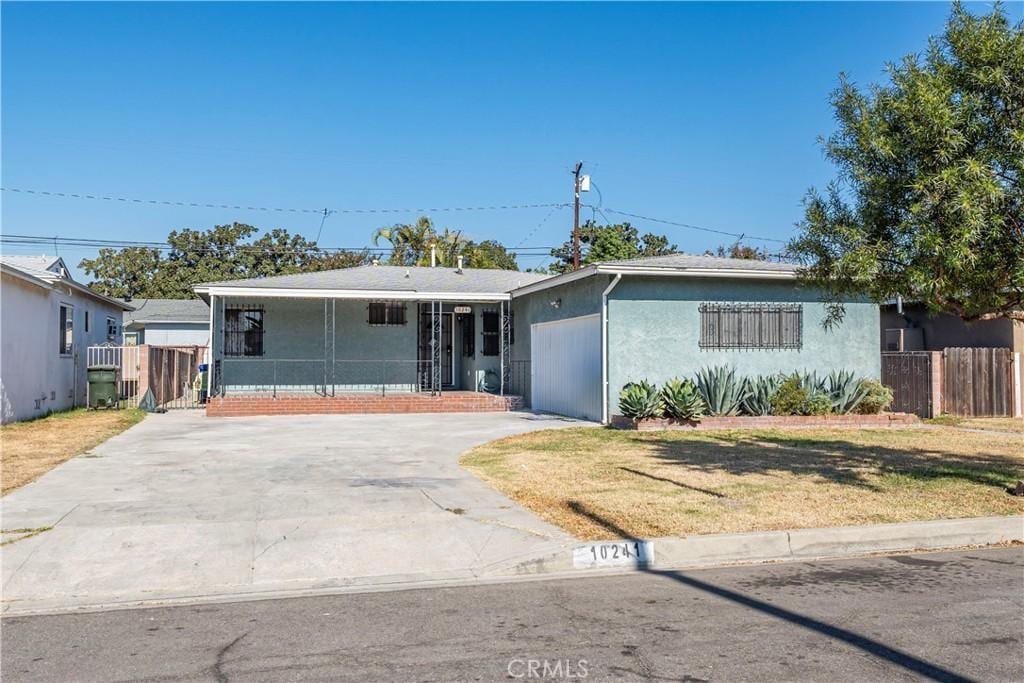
[243, 331]
[386, 313]
[87, 321]
[111, 328]
[751, 326]
[67, 329]
[131, 338]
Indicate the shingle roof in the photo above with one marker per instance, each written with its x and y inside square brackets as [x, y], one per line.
[396, 278]
[168, 310]
[710, 262]
[41, 267]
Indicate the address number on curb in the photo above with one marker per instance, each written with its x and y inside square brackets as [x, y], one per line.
[617, 554]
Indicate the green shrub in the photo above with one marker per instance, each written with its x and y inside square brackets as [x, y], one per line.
[790, 397]
[877, 397]
[682, 400]
[758, 392]
[721, 390]
[845, 390]
[817, 403]
[639, 400]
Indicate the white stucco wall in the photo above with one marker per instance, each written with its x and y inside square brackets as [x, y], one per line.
[34, 377]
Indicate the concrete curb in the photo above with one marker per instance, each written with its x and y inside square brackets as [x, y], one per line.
[804, 544]
[669, 553]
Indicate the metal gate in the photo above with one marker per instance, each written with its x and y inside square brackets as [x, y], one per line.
[909, 374]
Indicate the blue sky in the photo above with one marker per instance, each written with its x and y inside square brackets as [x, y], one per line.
[698, 113]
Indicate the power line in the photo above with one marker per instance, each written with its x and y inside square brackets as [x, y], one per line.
[242, 207]
[690, 226]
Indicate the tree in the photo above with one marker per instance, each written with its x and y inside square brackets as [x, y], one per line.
[928, 203]
[740, 251]
[410, 246]
[610, 243]
[220, 253]
[489, 254]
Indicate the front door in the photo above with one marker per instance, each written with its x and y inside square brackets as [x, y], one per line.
[447, 356]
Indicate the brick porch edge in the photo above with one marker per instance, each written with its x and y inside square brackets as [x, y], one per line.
[768, 422]
[456, 402]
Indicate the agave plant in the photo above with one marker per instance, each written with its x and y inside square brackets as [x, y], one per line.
[682, 400]
[758, 392]
[721, 390]
[639, 400]
[811, 383]
[845, 390]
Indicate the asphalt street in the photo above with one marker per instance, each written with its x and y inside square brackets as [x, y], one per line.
[939, 616]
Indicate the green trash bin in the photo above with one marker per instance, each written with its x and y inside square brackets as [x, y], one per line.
[102, 386]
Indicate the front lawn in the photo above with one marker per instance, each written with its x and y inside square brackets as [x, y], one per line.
[600, 483]
[997, 424]
[33, 448]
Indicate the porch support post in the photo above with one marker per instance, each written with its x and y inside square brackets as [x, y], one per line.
[325, 347]
[435, 348]
[506, 351]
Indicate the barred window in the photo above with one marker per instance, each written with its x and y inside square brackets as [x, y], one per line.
[243, 330]
[468, 322]
[491, 332]
[751, 326]
[386, 313]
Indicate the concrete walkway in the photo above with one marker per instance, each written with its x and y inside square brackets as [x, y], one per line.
[188, 506]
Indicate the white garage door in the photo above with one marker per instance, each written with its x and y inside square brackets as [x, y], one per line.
[565, 367]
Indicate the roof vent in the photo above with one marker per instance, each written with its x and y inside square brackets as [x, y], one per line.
[407, 272]
[459, 269]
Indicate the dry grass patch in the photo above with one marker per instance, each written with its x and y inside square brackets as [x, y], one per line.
[999, 424]
[29, 450]
[600, 483]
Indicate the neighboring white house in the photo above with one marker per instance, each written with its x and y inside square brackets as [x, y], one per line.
[167, 322]
[47, 320]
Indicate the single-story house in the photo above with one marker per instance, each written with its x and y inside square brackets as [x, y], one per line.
[167, 322]
[386, 338]
[48, 321]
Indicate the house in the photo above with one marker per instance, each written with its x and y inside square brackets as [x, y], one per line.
[48, 321]
[167, 322]
[908, 326]
[386, 339]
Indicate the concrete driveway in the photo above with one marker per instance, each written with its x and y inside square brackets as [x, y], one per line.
[188, 506]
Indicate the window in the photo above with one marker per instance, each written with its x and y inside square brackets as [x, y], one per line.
[243, 331]
[87, 321]
[386, 313]
[111, 328]
[66, 329]
[131, 338]
[468, 322]
[491, 329]
[751, 326]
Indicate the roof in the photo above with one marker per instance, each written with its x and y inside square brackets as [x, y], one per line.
[43, 267]
[167, 311]
[390, 279]
[673, 265]
[51, 272]
[677, 261]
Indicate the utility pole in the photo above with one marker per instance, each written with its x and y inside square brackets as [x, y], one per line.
[576, 217]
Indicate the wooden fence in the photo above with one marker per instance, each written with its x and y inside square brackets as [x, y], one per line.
[978, 382]
[970, 382]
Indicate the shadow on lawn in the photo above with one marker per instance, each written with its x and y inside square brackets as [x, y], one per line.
[837, 460]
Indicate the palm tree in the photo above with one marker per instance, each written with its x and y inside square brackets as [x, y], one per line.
[410, 244]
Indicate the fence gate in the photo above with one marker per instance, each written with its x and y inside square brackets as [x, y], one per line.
[978, 382]
[909, 375]
[170, 374]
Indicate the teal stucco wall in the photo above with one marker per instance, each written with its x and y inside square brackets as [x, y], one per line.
[295, 336]
[654, 329]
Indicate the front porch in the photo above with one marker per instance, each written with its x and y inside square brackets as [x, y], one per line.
[291, 355]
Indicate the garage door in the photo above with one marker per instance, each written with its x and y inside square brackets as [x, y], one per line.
[565, 367]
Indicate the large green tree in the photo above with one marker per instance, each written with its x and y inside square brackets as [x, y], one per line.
[224, 252]
[610, 243]
[928, 203]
